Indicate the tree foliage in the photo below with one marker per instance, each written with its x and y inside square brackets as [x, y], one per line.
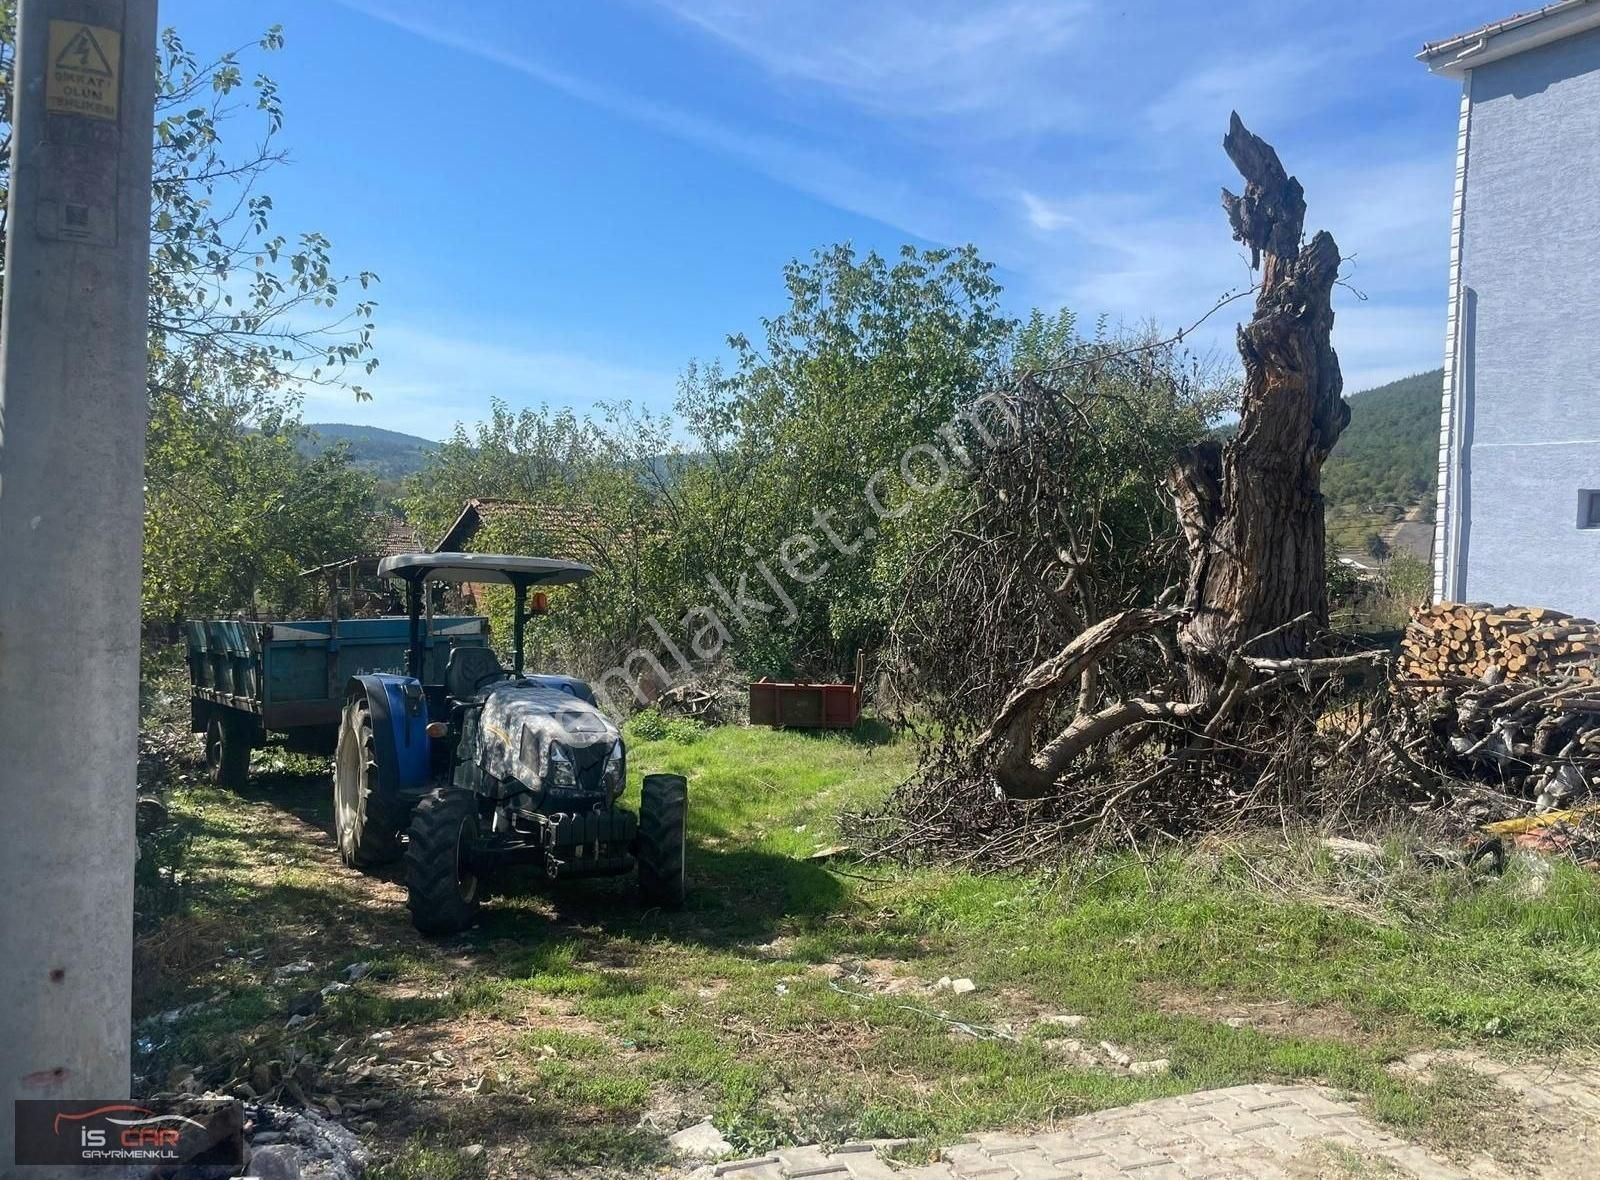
[867, 362]
[234, 512]
[838, 408]
[578, 488]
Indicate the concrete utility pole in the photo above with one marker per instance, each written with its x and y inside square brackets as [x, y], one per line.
[72, 422]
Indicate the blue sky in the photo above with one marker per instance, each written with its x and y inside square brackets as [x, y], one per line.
[566, 202]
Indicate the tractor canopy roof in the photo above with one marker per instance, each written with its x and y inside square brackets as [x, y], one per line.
[482, 567]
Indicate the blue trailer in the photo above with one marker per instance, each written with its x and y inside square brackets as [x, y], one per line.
[249, 679]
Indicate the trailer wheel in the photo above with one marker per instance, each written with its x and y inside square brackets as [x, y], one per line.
[663, 813]
[443, 888]
[228, 751]
[365, 833]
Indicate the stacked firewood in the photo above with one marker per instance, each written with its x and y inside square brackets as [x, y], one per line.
[1478, 640]
[1512, 695]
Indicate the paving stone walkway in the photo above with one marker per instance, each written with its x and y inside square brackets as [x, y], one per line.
[1246, 1131]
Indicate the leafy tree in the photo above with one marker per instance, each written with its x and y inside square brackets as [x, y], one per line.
[234, 512]
[868, 362]
[581, 489]
[242, 319]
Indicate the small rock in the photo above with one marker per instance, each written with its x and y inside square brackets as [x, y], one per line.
[277, 1161]
[303, 967]
[944, 984]
[782, 989]
[357, 971]
[1072, 1052]
[1342, 849]
[1237, 1021]
[296, 1020]
[1115, 1054]
[1064, 1021]
[663, 1119]
[381, 1035]
[335, 988]
[701, 1141]
[962, 986]
[472, 1152]
[305, 1003]
[1159, 1065]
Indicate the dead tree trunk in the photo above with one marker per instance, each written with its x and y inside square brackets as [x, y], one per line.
[1251, 514]
[1251, 509]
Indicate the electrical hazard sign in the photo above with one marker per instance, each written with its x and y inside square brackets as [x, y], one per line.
[83, 77]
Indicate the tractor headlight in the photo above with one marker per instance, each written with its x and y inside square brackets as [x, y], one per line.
[615, 774]
[561, 772]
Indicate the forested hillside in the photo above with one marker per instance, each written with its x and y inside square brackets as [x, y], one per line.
[387, 454]
[1384, 463]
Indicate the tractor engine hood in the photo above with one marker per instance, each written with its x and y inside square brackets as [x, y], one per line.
[522, 720]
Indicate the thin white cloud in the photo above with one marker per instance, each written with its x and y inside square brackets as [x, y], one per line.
[430, 380]
[919, 59]
[824, 174]
[1067, 140]
[1266, 87]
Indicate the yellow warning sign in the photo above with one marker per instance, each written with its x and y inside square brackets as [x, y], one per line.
[84, 70]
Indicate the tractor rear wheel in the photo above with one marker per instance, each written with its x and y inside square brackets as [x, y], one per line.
[362, 826]
[663, 813]
[228, 751]
[443, 888]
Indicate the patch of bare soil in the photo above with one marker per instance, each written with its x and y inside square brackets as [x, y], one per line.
[1276, 1017]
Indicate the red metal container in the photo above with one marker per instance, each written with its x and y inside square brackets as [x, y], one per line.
[806, 706]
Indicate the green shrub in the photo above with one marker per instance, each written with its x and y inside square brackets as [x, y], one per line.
[652, 725]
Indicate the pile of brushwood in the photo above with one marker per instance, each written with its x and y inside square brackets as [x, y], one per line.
[1128, 639]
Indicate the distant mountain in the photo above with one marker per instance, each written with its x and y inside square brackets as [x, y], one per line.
[1384, 465]
[388, 454]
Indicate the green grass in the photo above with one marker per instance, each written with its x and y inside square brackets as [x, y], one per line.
[753, 1004]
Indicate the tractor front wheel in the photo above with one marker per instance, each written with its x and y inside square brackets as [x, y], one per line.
[443, 888]
[228, 751]
[663, 813]
[365, 832]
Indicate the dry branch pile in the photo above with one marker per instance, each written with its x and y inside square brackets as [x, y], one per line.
[1074, 701]
[1189, 694]
[1508, 744]
[1478, 640]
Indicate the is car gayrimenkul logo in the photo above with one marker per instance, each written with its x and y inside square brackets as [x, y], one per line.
[190, 1131]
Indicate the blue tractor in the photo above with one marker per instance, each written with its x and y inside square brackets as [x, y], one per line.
[492, 768]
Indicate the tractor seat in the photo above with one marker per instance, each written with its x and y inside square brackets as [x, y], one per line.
[470, 669]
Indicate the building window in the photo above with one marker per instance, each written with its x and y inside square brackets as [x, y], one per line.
[1589, 509]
